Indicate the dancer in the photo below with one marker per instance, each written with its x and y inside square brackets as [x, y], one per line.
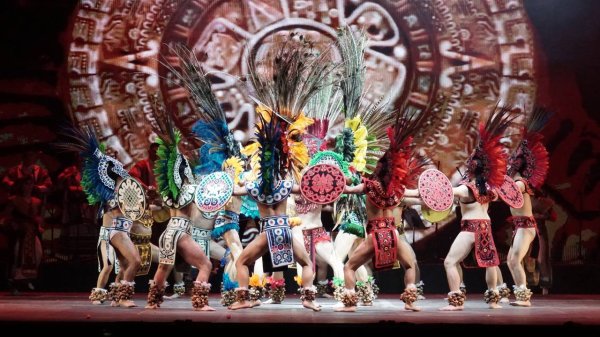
[297, 73]
[101, 175]
[485, 172]
[528, 165]
[176, 185]
[385, 189]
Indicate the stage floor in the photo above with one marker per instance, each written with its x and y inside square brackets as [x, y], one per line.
[68, 309]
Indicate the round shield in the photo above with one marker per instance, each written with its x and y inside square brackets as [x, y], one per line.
[214, 191]
[510, 193]
[434, 216]
[131, 198]
[322, 184]
[435, 190]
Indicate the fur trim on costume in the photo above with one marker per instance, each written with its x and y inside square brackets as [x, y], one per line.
[522, 293]
[491, 296]
[155, 294]
[200, 294]
[349, 298]
[456, 298]
[126, 290]
[409, 296]
[503, 290]
[364, 292]
[98, 294]
[308, 294]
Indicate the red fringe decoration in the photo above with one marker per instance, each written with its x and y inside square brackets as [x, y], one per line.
[494, 155]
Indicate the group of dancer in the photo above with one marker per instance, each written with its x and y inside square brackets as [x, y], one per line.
[299, 164]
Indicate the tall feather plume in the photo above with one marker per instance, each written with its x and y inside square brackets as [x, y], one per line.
[374, 116]
[488, 162]
[352, 47]
[394, 165]
[292, 74]
[168, 140]
[269, 134]
[85, 143]
[531, 159]
[211, 128]
[324, 108]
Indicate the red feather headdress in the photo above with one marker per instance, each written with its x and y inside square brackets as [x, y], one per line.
[531, 159]
[487, 164]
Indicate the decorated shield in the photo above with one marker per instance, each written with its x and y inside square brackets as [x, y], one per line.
[510, 193]
[214, 191]
[435, 190]
[322, 184]
[131, 198]
[434, 216]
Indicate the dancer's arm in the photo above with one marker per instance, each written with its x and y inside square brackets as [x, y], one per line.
[357, 189]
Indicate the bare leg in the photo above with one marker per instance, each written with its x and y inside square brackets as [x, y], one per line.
[160, 279]
[232, 239]
[193, 254]
[517, 252]
[253, 251]
[500, 284]
[107, 267]
[361, 255]
[460, 248]
[130, 261]
[307, 272]
[491, 277]
[406, 256]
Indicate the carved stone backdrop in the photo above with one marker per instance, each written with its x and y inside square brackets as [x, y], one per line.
[454, 56]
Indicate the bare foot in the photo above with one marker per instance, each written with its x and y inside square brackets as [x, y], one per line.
[411, 307]
[346, 309]
[495, 306]
[97, 302]
[256, 303]
[521, 303]
[451, 308]
[153, 306]
[127, 304]
[311, 305]
[240, 305]
[504, 300]
[205, 308]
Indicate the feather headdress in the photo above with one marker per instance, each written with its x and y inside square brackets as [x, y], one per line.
[171, 166]
[487, 163]
[290, 76]
[219, 143]
[363, 139]
[99, 171]
[531, 159]
[393, 168]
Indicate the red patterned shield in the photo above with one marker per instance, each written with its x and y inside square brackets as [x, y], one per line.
[510, 193]
[435, 190]
[322, 184]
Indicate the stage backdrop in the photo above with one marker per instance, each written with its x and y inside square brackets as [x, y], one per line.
[457, 57]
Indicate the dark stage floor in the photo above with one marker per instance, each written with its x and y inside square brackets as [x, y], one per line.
[38, 311]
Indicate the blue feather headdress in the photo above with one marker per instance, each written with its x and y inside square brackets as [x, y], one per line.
[211, 128]
[99, 172]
